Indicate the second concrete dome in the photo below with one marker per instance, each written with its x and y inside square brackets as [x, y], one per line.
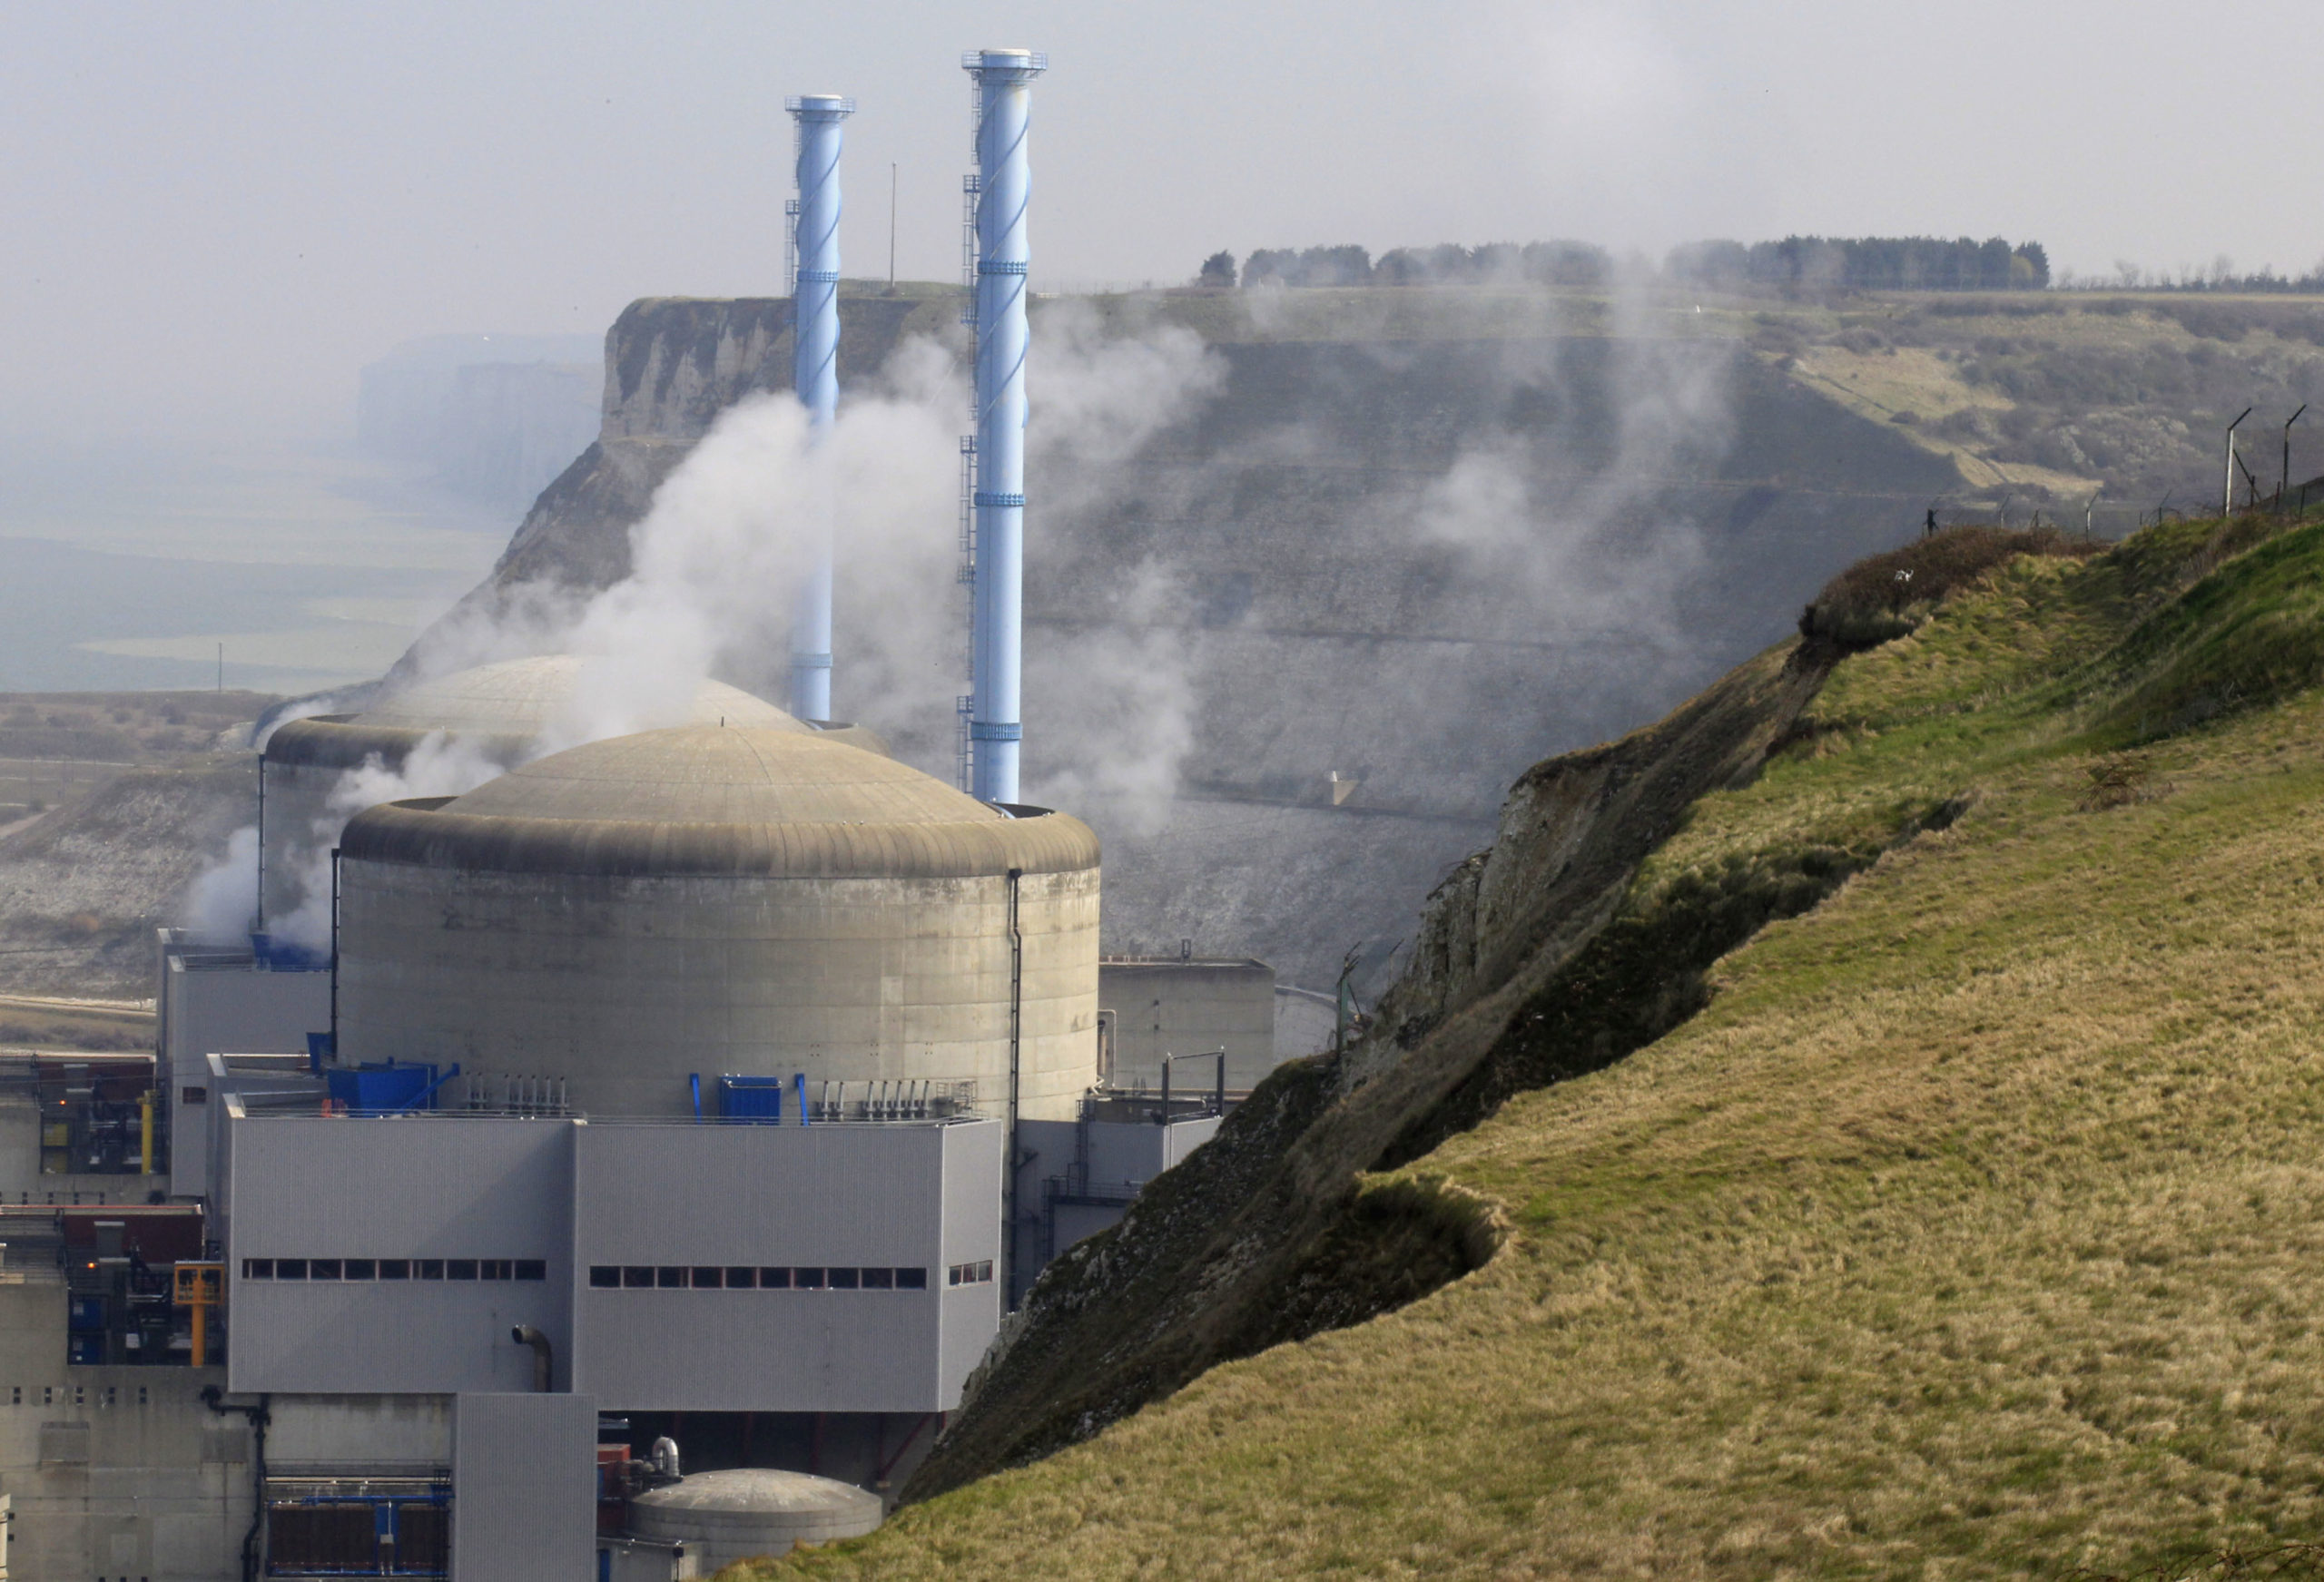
[705, 900]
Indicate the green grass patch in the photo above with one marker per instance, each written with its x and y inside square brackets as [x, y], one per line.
[1968, 1223]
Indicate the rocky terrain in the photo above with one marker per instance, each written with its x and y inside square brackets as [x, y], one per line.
[110, 804]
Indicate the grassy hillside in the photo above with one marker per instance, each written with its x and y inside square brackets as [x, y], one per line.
[1971, 1228]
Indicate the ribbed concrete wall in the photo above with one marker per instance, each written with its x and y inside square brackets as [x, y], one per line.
[624, 987]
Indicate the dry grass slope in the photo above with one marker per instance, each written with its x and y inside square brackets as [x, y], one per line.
[1974, 1228]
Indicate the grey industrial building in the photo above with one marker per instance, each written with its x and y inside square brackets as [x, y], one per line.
[577, 1111]
[666, 1083]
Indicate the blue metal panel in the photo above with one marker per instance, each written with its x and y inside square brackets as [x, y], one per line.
[751, 1098]
[392, 1087]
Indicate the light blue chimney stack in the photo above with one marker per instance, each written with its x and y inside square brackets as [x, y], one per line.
[1004, 79]
[814, 374]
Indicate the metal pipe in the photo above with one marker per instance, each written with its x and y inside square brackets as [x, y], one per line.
[145, 1134]
[543, 1361]
[1004, 105]
[259, 911]
[259, 1418]
[2227, 489]
[2283, 484]
[814, 375]
[1016, 1045]
[334, 954]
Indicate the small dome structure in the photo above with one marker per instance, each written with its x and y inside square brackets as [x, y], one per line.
[630, 915]
[490, 716]
[726, 1517]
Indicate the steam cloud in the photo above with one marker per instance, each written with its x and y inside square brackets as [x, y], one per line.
[718, 558]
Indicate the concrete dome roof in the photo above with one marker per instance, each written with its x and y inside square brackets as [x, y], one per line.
[523, 697]
[505, 707]
[758, 1490]
[758, 800]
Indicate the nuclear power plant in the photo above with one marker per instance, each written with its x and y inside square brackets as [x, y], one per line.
[602, 1155]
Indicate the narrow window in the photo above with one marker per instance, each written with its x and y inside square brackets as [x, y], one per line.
[637, 1277]
[109, 1396]
[322, 1268]
[878, 1279]
[394, 1268]
[362, 1269]
[604, 1277]
[459, 1268]
[807, 1279]
[194, 1096]
[952, 1275]
[141, 1397]
[258, 1268]
[912, 1280]
[431, 1269]
[492, 1269]
[775, 1279]
[843, 1279]
[984, 1273]
[742, 1279]
[708, 1278]
[531, 1269]
[666, 1278]
[290, 1268]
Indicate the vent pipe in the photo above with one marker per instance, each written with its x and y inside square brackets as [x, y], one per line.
[814, 373]
[1003, 79]
[526, 1335]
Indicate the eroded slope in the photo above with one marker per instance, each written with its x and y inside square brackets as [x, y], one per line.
[1971, 1227]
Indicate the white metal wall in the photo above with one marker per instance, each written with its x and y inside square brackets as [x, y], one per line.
[523, 1487]
[443, 1188]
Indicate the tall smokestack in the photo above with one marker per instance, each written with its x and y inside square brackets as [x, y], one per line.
[1004, 107]
[814, 373]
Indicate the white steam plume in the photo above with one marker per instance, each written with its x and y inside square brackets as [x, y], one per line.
[1122, 715]
[719, 555]
[440, 765]
[223, 898]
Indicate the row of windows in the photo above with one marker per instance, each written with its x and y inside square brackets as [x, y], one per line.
[750, 1277]
[394, 1269]
[616, 1276]
[73, 1395]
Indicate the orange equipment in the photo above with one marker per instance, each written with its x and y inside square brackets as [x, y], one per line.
[200, 1286]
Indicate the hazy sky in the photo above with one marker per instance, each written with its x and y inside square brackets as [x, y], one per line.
[211, 214]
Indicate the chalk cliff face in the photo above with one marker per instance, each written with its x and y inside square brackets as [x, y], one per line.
[672, 365]
[1383, 569]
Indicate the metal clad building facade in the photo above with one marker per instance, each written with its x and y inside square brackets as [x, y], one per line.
[458, 1191]
[525, 1468]
[672, 1267]
[855, 1198]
